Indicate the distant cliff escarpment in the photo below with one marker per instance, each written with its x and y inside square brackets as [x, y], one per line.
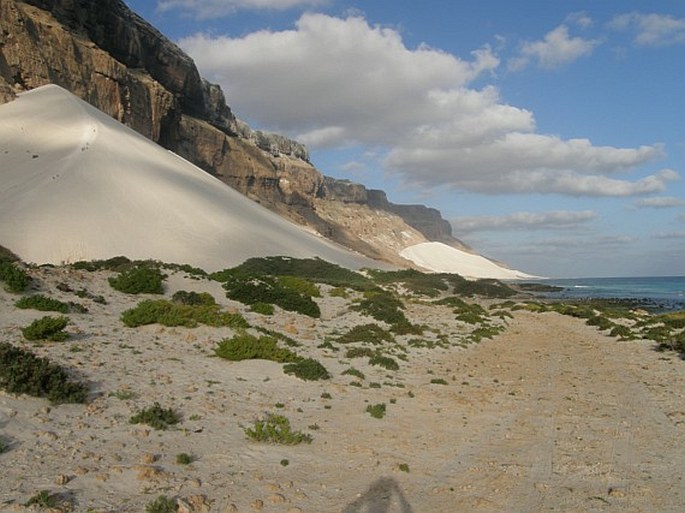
[109, 56]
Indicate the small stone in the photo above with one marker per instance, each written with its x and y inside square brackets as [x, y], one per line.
[258, 504]
[81, 471]
[277, 498]
[231, 508]
[148, 458]
[62, 479]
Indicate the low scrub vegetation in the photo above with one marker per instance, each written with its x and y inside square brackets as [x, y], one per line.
[22, 372]
[171, 313]
[156, 417]
[47, 328]
[192, 298]
[248, 347]
[42, 303]
[141, 279]
[307, 369]
[377, 411]
[418, 283]
[16, 280]
[369, 333]
[311, 269]
[289, 294]
[484, 287]
[276, 429]
[383, 306]
[384, 361]
[162, 504]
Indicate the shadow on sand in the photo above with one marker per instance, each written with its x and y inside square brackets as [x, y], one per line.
[383, 496]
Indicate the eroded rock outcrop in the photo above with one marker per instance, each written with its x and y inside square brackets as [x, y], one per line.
[109, 56]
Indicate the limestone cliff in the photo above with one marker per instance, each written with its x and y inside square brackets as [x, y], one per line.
[112, 58]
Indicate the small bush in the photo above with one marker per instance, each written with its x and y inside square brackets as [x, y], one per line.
[43, 499]
[377, 411]
[262, 308]
[22, 372]
[42, 303]
[371, 333]
[403, 467]
[354, 372]
[382, 306]
[143, 279]
[184, 459]
[169, 313]
[251, 289]
[438, 381]
[384, 361]
[161, 504]
[193, 298]
[359, 352]
[47, 328]
[156, 417]
[248, 347]
[307, 369]
[276, 429]
[15, 278]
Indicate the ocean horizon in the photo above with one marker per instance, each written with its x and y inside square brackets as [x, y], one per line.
[665, 292]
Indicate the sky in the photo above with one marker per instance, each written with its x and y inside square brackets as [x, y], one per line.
[550, 134]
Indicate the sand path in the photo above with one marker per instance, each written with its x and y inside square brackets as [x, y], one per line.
[561, 418]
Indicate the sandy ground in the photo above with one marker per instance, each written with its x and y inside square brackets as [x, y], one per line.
[549, 416]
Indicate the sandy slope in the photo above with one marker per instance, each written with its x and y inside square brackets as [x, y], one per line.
[549, 416]
[77, 185]
[439, 257]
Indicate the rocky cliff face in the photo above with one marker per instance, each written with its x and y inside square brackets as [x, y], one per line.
[110, 57]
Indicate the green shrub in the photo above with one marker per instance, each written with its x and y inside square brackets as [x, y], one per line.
[438, 381]
[371, 333]
[193, 298]
[15, 278]
[156, 417]
[42, 303]
[354, 372]
[22, 372]
[47, 328]
[304, 287]
[117, 263]
[403, 467]
[359, 352]
[169, 313]
[377, 411]
[184, 459]
[417, 282]
[251, 289]
[262, 308]
[601, 322]
[484, 287]
[248, 347]
[43, 499]
[143, 279]
[162, 504]
[307, 369]
[311, 269]
[276, 429]
[382, 306]
[384, 361]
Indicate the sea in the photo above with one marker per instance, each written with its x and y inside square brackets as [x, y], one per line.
[665, 293]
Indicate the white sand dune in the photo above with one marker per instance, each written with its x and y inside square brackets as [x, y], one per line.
[77, 185]
[441, 258]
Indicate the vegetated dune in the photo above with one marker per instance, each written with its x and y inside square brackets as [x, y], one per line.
[77, 185]
[439, 257]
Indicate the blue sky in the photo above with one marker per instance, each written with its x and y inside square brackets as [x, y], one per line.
[550, 134]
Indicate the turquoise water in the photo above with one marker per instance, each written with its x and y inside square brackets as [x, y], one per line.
[668, 291]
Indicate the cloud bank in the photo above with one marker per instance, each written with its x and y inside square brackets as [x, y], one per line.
[334, 82]
[524, 221]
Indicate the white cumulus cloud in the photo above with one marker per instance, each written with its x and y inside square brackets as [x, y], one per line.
[652, 29]
[334, 81]
[556, 49]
